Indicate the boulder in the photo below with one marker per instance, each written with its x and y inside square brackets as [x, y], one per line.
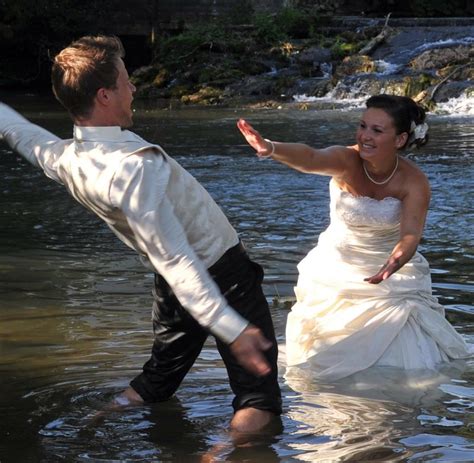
[440, 57]
[355, 64]
[204, 96]
[453, 90]
[314, 56]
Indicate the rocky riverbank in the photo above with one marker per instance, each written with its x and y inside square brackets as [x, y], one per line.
[430, 60]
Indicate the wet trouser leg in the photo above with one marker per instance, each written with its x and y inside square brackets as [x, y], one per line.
[179, 338]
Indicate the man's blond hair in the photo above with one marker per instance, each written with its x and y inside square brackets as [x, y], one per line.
[82, 68]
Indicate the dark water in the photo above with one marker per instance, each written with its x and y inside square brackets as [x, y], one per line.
[75, 307]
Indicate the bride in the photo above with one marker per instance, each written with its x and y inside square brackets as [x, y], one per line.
[363, 296]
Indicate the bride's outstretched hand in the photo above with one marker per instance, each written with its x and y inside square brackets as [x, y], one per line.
[390, 267]
[254, 139]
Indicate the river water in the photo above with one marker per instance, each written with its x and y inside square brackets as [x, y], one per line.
[75, 306]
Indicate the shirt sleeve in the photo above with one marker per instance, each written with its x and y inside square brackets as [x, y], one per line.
[139, 190]
[35, 144]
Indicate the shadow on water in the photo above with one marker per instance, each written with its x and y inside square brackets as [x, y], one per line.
[75, 309]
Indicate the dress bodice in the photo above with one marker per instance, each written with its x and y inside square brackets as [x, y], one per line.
[362, 212]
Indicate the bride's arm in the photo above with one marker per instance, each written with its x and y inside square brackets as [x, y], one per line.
[412, 222]
[328, 161]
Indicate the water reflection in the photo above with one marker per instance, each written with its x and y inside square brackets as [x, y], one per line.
[369, 414]
[75, 309]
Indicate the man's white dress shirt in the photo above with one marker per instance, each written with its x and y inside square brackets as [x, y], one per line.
[148, 200]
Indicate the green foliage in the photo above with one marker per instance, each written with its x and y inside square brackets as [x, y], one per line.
[288, 23]
[197, 42]
[340, 48]
[267, 30]
[180, 45]
[294, 23]
[416, 84]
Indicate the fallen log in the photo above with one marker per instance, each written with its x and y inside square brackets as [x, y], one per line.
[378, 39]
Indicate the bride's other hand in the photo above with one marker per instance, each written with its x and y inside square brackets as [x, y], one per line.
[390, 267]
[254, 139]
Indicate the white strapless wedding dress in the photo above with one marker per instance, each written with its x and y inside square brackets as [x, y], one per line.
[340, 324]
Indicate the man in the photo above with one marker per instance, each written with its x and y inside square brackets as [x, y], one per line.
[204, 280]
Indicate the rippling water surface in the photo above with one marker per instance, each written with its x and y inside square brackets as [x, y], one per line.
[75, 307]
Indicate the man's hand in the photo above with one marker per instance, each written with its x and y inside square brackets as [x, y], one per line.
[248, 349]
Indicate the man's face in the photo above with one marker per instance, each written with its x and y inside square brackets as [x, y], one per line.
[121, 98]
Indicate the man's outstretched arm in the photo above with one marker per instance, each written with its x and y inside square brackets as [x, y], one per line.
[36, 144]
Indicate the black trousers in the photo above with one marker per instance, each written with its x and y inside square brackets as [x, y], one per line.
[179, 338]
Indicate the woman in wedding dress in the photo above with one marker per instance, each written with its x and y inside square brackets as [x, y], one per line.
[363, 296]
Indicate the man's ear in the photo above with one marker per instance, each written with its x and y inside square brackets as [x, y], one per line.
[102, 96]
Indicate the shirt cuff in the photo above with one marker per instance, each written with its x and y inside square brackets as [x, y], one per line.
[229, 326]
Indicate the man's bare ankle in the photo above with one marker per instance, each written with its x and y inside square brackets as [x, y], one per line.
[128, 397]
[251, 420]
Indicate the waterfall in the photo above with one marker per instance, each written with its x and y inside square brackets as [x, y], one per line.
[412, 52]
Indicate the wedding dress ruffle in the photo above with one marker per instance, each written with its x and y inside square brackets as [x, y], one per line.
[341, 324]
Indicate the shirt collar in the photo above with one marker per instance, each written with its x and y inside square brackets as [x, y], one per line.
[105, 133]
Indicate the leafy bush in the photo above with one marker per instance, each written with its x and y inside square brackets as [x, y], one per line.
[198, 39]
[294, 23]
[267, 30]
[340, 48]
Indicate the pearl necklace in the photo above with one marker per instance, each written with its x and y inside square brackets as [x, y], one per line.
[383, 182]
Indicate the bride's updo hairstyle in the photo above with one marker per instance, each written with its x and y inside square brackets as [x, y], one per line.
[407, 117]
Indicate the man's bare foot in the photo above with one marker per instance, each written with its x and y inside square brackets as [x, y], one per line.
[248, 426]
[127, 398]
